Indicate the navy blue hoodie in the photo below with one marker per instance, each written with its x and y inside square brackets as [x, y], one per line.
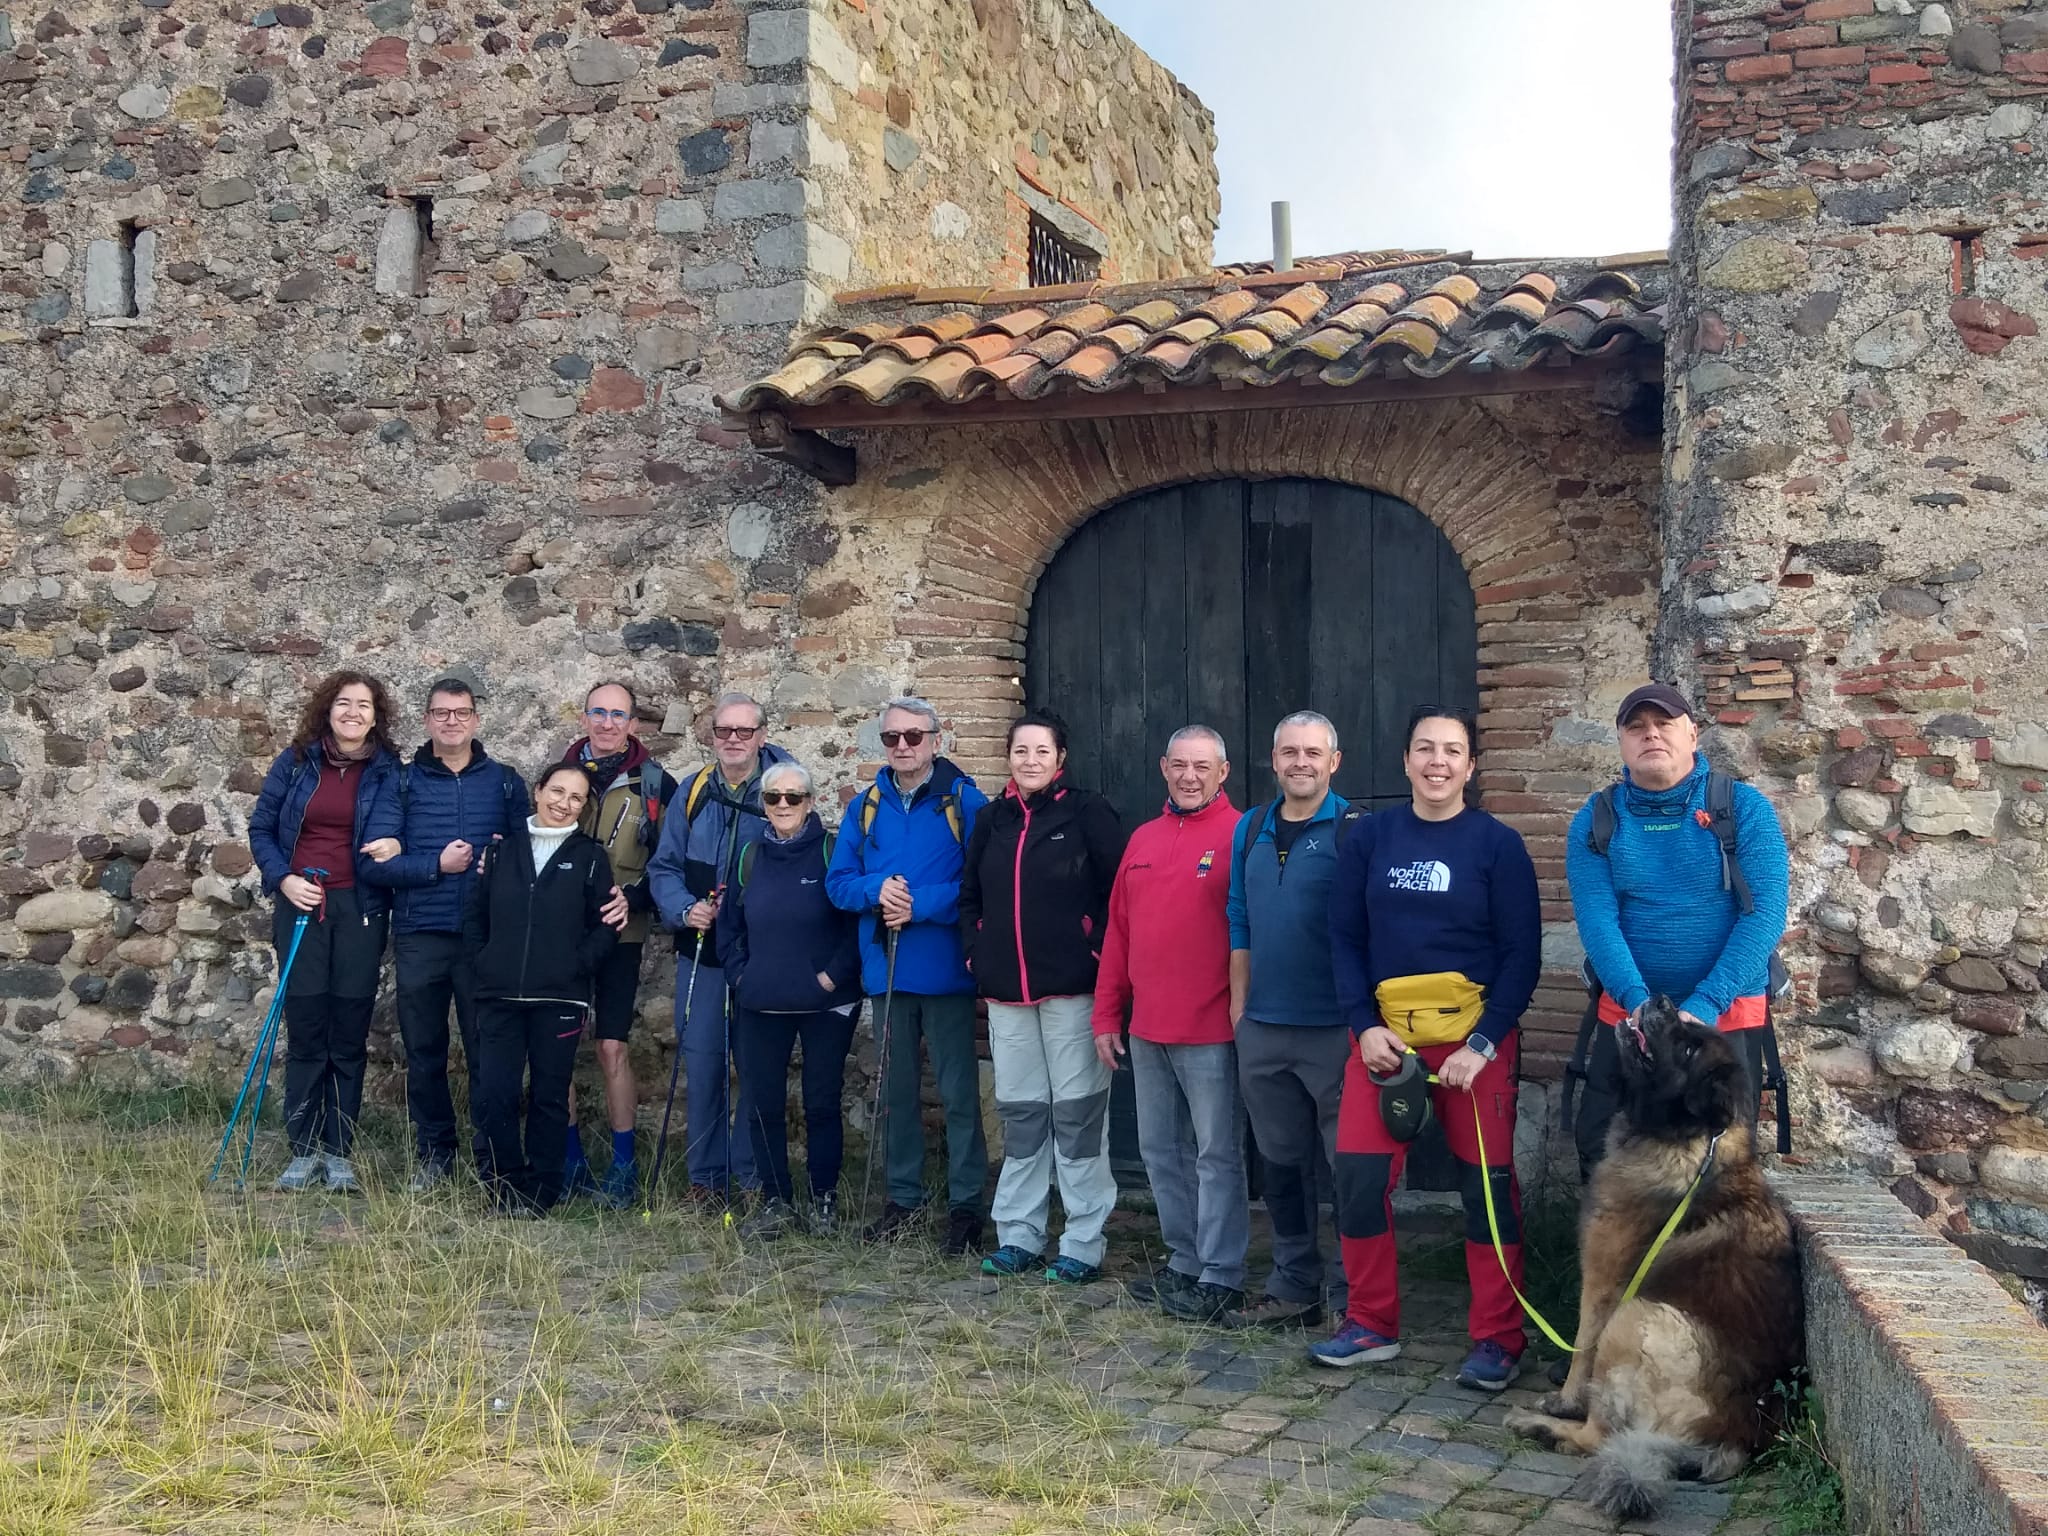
[780, 930]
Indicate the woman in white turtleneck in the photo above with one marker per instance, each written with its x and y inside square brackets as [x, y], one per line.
[537, 930]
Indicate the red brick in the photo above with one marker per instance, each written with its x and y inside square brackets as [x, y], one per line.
[1835, 10]
[1728, 48]
[1849, 738]
[1802, 37]
[2035, 63]
[1828, 58]
[1770, 67]
[1898, 74]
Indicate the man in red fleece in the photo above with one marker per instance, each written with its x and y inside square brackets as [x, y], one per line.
[1166, 961]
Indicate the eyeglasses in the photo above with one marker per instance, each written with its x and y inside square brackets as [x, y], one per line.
[734, 732]
[904, 738]
[616, 716]
[784, 796]
[450, 716]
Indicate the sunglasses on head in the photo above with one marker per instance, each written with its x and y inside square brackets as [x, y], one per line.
[784, 796]
[734, 732]
[904, 738]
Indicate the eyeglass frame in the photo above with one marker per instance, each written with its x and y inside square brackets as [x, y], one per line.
[736, 732]
[913, 737]
[446, 716]
[616, 716]
[785, 796]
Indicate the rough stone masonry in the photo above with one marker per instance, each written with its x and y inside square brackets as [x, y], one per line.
[389, 333]
[1857, 471]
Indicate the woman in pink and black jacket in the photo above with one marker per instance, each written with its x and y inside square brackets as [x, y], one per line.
[1034, 905]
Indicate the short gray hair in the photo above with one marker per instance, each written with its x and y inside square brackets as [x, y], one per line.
[776, 773]
[910, 704]
[1207, 733]
[1306, 717]
[727, 701]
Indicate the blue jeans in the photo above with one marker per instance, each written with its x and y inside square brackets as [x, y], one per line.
[713, 1151]
[1192, 1139]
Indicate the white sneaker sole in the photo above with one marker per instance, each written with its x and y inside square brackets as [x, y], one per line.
[1364, 1357]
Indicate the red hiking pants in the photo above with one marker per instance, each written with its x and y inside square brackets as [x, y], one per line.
[1369, 1163]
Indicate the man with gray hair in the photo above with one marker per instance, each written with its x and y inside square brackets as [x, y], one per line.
[1165, 965]
[718, 813]
[902, 845]
[1292, 1040]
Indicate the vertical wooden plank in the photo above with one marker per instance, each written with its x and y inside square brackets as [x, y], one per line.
[1405, 636]
[1340, 623]
[1071, 585]
[1457, 629]
[1213, 523]
[1166, 645]
[1279, 560]
[1116, 764]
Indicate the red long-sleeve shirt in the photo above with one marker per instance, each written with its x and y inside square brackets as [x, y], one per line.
[1168, 942]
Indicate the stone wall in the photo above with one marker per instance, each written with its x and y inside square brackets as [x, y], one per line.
[389, 334]
[1855, 551]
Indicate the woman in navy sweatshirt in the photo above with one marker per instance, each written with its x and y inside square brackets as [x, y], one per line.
[1436, 937]
[792, 960]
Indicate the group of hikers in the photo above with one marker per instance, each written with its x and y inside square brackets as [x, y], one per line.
[1326, 976]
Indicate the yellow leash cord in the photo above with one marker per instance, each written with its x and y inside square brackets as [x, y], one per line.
[1635, 1283]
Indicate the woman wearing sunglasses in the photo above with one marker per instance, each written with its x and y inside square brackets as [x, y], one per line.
[793, 961]
[1034, 905]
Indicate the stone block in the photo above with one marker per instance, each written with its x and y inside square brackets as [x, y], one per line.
[1758, 265]
[1936, 810]
[679, 216]
[1919, 1048]
[109, 280]
[777, 38]
[761, 198]
[398, 253]
[804, 247]
[599, 61]
[69, 911]
[789, 303]
[1895, 342]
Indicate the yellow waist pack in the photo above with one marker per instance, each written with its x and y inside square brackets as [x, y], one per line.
[1438, 1009]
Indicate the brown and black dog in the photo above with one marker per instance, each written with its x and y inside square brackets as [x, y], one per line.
[1677, 1381]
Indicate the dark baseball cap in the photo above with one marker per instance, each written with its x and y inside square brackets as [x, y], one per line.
[1662, 695]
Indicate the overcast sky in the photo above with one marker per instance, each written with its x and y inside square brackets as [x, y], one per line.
[1504, 127]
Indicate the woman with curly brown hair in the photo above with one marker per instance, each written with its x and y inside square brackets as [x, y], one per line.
[328, 798]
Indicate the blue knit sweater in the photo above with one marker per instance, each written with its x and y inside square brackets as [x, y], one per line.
[1652, 913]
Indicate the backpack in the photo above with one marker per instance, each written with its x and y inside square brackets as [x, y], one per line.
[653, 780]
[1347, 821]
[949, 803]
[1721, 821]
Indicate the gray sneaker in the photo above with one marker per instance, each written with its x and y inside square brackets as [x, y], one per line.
[774, 1217]
[299, 1173]
[341, 1176]
[426, 1177]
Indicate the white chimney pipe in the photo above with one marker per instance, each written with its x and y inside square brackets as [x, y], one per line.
[1283, 237]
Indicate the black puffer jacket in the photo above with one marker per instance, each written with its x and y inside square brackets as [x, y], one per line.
[540, 938]
[1034, 897]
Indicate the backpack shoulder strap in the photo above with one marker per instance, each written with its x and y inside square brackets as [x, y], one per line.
[652, 778]
[831, 843]
[1348, 820]
[1605, 819]
[695, 796]
[864, 813]
[746, 864]
[955, 818]
[1721, 818]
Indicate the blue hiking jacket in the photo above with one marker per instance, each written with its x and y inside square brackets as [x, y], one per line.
[1282, 915]
[486, 800]
[281, 810]
[916, 842]
[1652, 914]
[700, 851]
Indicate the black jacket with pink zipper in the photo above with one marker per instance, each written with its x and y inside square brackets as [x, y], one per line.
[1034, 896]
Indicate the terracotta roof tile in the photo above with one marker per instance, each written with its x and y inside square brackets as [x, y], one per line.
[1333, 321]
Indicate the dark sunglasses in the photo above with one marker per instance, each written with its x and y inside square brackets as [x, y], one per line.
[784, 796]
[734, 732]
[904, 738]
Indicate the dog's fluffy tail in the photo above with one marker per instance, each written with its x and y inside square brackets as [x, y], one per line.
[1633, 1470]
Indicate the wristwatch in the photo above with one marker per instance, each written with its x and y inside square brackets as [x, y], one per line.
[1480, 1045]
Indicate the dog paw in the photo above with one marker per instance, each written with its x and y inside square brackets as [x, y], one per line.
[1558, 1406]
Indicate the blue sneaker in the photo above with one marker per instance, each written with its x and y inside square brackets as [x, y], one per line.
[1354, 1344]
[1011, 1260]
[621, 1185]
[1488, 1368]
[577, 1179]
[1067, 1270]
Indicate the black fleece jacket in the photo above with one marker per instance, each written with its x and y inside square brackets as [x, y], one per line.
[540, 937]
[1034, 896]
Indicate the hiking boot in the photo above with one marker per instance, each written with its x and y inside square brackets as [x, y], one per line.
[1011, 1260]
[428, 1176]
[1068, 1270]
[1272, 1312]
[963, 1232]
[1205, 1302]
[772, 1218]
[300, 1173]
[825, 1213]
[1354, 1344]
[621, 1186]
[891, 1224]
[578, 1180]
[1488, 1368]
[341, 1176]
[1162, 1284]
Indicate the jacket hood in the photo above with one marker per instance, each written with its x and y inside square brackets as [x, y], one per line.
[636, 751]
[808, 836]
[426, 762]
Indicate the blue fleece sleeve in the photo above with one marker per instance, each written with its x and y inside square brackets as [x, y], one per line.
[848, 885]
[1597, 911]
[1235, 909]
[1746, 957]
[1516, 911]
[1351, 930]
[672, 897]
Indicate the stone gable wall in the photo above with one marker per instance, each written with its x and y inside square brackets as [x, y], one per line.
[434, 305]
[1855, 548]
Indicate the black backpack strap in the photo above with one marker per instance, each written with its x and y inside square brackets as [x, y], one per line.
[1605, 819]
[1581, 1063]
[1348, 820]
[1721, 817]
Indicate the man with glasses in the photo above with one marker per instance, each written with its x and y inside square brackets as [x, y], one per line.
[696, 863]
[628, 793]
[454, 799]
[901, 847]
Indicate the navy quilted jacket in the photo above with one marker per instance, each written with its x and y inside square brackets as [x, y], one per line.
[281, 810]
[487, 800]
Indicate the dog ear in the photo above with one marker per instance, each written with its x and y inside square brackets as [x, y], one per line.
[1713, 1092]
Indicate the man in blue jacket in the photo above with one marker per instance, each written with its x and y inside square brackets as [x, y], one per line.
[716, 812]
[1292, 1043]
[902, 843]
[1658, 910]
[454, 799]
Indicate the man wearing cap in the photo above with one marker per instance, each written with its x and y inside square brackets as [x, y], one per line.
[454, 799]
[1659, 911]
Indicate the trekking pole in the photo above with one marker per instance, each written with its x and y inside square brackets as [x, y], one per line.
[675, 1071]
[258, 1072]
[876, 1121]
